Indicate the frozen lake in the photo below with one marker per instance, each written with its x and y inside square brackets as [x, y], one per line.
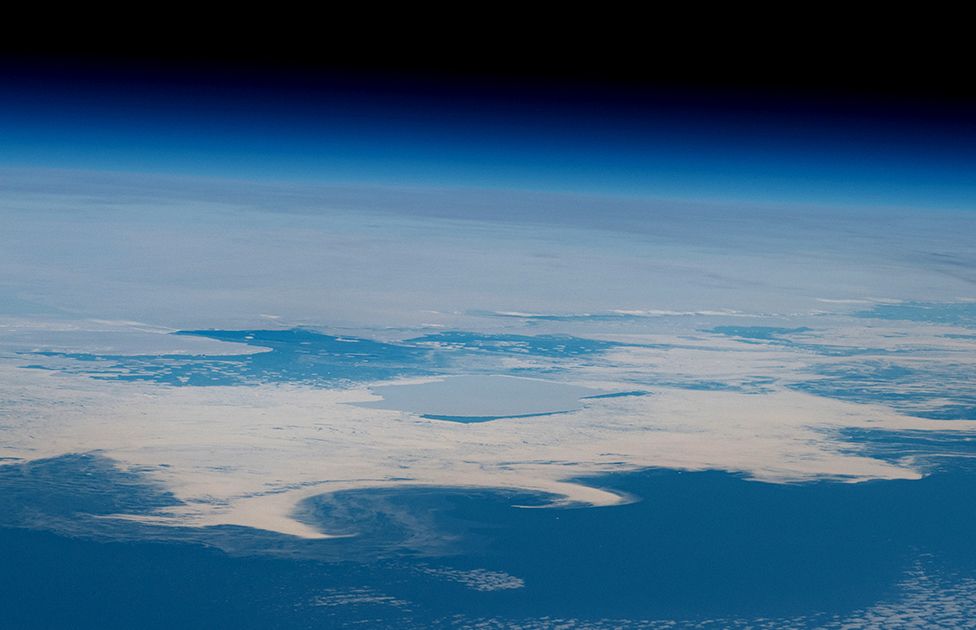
[481, 398]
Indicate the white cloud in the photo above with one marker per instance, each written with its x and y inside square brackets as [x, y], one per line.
[249, 455]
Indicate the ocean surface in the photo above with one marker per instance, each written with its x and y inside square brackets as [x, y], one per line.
[710, 549]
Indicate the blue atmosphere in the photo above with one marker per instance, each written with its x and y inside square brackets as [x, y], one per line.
[695, 145]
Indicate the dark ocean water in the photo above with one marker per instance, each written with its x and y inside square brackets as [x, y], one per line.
[692, 547]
